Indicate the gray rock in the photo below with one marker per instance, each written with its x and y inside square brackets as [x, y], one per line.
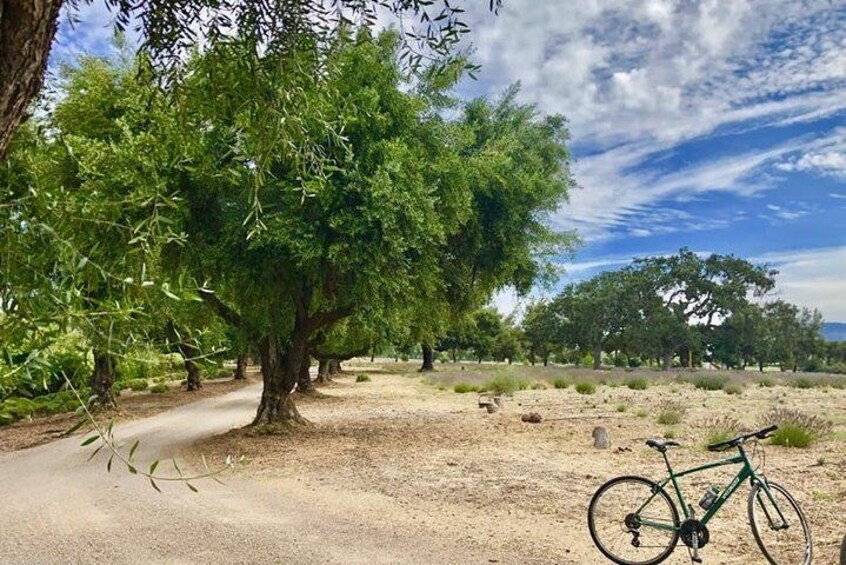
[600, 438]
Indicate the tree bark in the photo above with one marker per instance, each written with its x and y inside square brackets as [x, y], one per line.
[667, 361]
[428, 358]
[27, 29]
[322, 370]
[188, 355]
[240, 368]
[304, 383]
[597, 357]
[279, 371]
[334, 367]
[545, 359]
[103, 378]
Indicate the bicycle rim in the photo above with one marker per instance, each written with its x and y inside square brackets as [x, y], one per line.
[615, 527]
[790, 545]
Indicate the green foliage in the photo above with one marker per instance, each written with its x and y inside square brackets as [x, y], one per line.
[765, 382]
[362, 378]
[136, 385]
[671, 413]
[506, 384]
[734, 389]
[159, 388]
[637, 384]
[795, 428]
[669, 434]
[642, 413]
[804, 383]
[709, 382]
[560, 382]
[622, 407]
[585, 387]
[463, 388]
[16, 408]
[720, 428]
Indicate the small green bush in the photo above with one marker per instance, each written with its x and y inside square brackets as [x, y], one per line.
[669, 434]
[585, 388]
[720, 428]
[560, 382]
[671, 413]
[136, 384]
[637, 384]
[709, 382]
[505, 384]
[362, 378]
[642, 413]
[733, 389]
[764, 382]
[159, 388]
[796, 429]
[622, 407]
[804, 383]
[462, 388]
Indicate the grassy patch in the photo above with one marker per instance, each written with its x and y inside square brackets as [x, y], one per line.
[720, 428]
[622, 407]
[362, 378]
[796, 429]
[804, 383]
[765, 382]
[585, 388]
[637, 384]
[671, 413]
[642, 413]
[709, 382]
[159, 388]
[463, 388]
[136, 384]
[734, 389]
[669, 434]
[506, 384]
[560, 382]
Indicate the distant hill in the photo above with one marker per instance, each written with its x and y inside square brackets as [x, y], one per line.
[834, 331]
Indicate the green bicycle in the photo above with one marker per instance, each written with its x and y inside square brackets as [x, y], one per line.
[633, 520]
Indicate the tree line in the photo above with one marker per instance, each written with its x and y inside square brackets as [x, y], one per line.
[684, 310]
[311, 206]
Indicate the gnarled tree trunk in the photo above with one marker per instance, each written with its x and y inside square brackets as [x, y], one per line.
[304, 377]
[27, 29]
[597, 357]
[182, 344]
[103, 377]
[667, 360]
[279, 371]
[240, 368]
[323, 370]
[428, 358]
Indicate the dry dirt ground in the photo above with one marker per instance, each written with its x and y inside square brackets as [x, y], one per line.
[396, 470]
[397, 450]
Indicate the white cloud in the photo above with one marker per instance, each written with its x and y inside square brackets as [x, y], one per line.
[812, 278]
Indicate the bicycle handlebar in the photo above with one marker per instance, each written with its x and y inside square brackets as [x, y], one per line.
[763, 433]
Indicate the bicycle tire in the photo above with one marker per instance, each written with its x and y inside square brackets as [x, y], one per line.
[802, 520]
[671, 546]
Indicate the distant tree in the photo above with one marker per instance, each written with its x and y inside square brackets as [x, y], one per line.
[509, 342]
[541, 330]
[487, 325]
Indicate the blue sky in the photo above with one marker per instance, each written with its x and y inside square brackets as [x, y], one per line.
[712, 124]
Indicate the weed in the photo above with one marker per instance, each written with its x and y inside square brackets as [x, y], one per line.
[462, 388]
[796, 429]
[669, 434]
[622, 407]
[764, 382]
[362, 378]
[505, 384]
[709, 382]
[642, 413]
[671, 413]
[637, 384]
[733, 389]
[720, 428]
[804, 383]
[159, 388]
[560, 382]
[585, 388]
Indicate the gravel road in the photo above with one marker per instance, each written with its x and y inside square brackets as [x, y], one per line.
[57, 508]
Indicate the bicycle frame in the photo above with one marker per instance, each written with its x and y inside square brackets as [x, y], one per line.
[747, 471]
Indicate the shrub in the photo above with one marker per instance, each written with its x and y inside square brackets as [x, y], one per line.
[642, 413]
[709, 382]
[538, 385]
[585, 388]
[505, 384]
[622, 407]
[838, 382]
[804, 383]
[635, 362]
[671, 413]
[619, 361]
[133, 384]
[720, 428]
[764, 382]
[669, 434]
[796, 429]
[362, 378]
[462, 388]
[812, 365]
[560, 382]
[733, 389]
[637, 384]
[159, 388]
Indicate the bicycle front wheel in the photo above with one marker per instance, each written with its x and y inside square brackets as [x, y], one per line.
[780, 529]
[633, 521]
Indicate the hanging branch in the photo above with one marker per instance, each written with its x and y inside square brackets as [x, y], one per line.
[105, 435]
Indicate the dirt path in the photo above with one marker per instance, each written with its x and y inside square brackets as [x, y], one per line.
[391, 471]
[56, 508]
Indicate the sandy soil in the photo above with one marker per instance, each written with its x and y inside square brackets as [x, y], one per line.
[437, 463]
[397, 471]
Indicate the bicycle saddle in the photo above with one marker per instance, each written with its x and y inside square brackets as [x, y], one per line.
[662, 445]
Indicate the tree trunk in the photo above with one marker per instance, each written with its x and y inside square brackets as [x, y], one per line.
[428, 358]
[667, 362]
[546, 359]
[334, 367]
[27, 29]
[304, 378]
[323, 370]
[183, 345]
[454, 355]
[597, 357]
[532, 356]
[240, 368]
[103, 378]
[279, 372]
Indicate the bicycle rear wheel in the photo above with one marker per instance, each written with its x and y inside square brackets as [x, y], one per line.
[781, 531]
[633, 521]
